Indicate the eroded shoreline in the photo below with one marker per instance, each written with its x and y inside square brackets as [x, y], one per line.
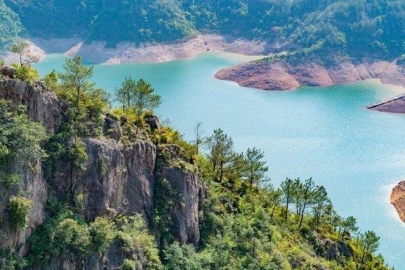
[257, 74]
[277, 76]
[126, 52]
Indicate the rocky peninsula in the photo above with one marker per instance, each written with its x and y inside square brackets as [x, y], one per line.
[276, 75]
[280, 76]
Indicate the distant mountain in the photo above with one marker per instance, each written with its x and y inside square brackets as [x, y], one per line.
[358, 28]
[10, 26]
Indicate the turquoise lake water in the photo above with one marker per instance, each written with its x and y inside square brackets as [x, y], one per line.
[325, 133]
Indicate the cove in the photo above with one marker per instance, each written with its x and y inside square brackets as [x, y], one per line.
[325, 133]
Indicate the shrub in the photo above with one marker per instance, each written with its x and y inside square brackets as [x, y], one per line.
[128, 265]
[11, 260]
[51, 80]
[78, 153]
[18, 208]
[182, 257]
[102, 232]
[10, 180]
[136, 241]
[26, 73]
[71, 235]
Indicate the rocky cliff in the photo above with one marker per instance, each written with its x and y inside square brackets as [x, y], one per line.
[41, 103]
[34, 187]
[42, 106]
[116, 179]
[398, 199]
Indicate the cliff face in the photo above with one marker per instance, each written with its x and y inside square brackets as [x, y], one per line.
[34, 187]
[115, 179]
[269, 75]
[42, 104]
[187, 185]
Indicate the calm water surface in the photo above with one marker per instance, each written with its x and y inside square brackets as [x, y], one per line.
[325, 133]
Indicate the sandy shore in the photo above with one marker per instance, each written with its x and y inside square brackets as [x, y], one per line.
[126, 52]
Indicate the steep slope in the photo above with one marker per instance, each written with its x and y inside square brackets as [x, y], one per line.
[108, 189]
[115, 180]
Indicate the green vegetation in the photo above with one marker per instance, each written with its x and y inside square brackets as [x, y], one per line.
[86, 101]
[255, 226]
[12, 260]
[137, 96]
[23, 70]
[10, 26]
[245, 222]
[20, 140]
[10, 180]
[26, 73]
[18, 208]
[102, 233]
[21, 48]
[67, 232]
[325, 30]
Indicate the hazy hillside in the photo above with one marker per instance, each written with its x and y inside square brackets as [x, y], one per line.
[357, 28]
[9, 25]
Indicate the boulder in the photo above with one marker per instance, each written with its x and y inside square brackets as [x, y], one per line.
[112, 128]
[398, 199]
[153, 122]
[7, 71]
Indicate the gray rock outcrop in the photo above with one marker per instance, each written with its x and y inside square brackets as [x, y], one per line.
[115, 179]
[398, 199]
[41, 102]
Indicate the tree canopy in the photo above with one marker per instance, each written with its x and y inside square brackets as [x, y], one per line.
[313, 27]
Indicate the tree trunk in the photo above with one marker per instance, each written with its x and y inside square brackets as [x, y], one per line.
[221, 171]
[78, 102]
[302, 215]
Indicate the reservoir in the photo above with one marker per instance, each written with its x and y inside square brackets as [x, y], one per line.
[325, 132]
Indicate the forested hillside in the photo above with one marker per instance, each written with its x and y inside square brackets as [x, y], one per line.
[88, 186]
[353, 28]
[10, 26]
